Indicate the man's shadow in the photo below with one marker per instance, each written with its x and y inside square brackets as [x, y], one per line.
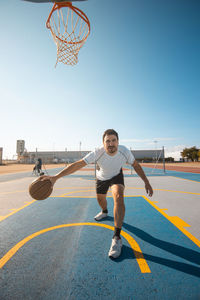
[180, 251]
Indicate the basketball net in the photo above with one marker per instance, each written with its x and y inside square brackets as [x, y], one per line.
[70, 28]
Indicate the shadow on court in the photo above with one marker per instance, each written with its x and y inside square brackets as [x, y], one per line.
[127, 253]
[180, 251]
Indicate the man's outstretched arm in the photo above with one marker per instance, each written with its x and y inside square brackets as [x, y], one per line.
[138, 169]
[68, 170]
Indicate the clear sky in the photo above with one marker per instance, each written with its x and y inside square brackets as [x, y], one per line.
[138, 72]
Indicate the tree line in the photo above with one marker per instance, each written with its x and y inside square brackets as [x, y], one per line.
[192, 153]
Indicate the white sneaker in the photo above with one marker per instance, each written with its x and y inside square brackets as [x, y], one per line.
[116, 247]
[100, 216]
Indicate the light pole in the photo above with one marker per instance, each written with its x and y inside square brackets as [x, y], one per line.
[65, 155]
[80, 149]
[156, 148]
[131, 165]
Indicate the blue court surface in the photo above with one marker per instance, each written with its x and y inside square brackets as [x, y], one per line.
[72, 262]
[150, 172]
[184, 175]
[54, 249]
[159, 172]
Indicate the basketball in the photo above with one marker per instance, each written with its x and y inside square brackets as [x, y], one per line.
[40, 189]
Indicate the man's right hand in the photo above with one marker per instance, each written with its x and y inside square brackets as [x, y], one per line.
[51, 178]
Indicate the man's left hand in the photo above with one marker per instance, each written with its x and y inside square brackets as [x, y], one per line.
[149, 189]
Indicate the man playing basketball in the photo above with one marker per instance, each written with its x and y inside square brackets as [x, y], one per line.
[110, 159]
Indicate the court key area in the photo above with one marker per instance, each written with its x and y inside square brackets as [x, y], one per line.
[54, 249]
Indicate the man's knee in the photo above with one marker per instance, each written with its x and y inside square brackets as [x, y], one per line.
[119, 197]
[101, 196]
[118, 194]
[117, 189]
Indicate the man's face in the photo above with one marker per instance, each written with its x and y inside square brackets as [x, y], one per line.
[111, 144]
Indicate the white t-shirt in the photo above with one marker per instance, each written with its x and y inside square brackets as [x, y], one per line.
[110, 166]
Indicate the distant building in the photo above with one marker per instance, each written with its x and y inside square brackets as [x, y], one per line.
[20, 147]
[149, 155]
[72, 156]
[52, 156]
[1, 155]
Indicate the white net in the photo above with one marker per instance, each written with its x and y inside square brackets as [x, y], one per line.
[70, 28]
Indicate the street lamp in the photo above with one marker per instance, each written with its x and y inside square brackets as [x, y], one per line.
[80, 149]
[156, 148]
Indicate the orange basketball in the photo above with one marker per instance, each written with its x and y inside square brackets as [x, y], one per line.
[40, 189]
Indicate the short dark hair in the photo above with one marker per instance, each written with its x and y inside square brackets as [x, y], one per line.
[109, 132]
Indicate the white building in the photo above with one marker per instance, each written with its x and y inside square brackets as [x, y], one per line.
[72, 156]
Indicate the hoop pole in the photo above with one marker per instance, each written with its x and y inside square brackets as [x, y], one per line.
[95, 165]
[163, 159]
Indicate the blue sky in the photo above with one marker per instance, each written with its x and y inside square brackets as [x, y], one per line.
[138, 73]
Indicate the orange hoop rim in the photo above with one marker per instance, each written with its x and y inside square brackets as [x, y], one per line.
[79, 12]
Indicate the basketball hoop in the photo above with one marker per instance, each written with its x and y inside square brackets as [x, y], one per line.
[70, 28]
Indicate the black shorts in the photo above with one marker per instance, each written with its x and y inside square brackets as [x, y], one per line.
[102, 186]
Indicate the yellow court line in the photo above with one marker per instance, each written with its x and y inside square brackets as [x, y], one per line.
[15, 211]
[84, 197]
[178, 222]
[88, 179]
[137, 188]
[23, 191]
[66, 195]
[174, 220]
[73, 187]
[94, 197]
[2, 218]
[134, 245]
[5, 193]
[164, 190]
[80, 191]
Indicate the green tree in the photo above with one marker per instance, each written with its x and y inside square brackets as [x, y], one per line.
[199, 155]
[185, 153]
[190, 153]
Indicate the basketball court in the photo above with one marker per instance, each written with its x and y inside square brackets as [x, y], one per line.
[54, 249]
